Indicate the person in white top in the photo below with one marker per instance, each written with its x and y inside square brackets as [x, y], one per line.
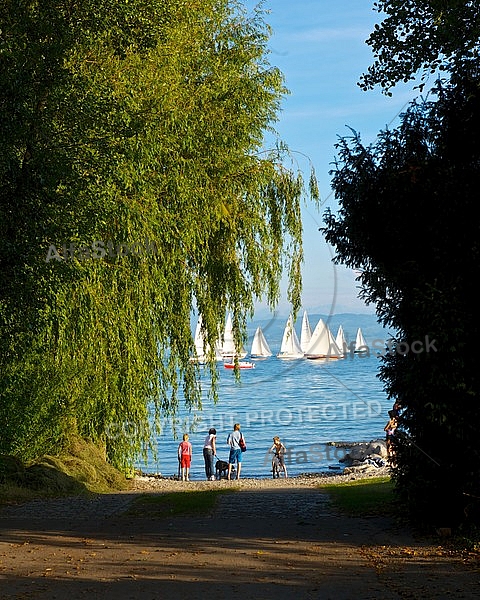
[209, 452]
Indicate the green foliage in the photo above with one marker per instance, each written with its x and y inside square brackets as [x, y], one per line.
[421, 36]
[363, 497]
[408, 222]
[138, 123]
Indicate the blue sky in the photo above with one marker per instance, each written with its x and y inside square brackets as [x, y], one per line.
[320, 47]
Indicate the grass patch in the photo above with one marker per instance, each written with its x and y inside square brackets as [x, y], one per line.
[173, 504]
[11, 493]
[79, 469]
[363, 497]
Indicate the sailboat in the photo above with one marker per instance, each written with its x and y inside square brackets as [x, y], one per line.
[322, 344]
[360, 343]
[218, 347]
[290, 347]
[199, 343]
[306, 333]
[229, 350]
[201, 347]
[260, 348]
[341, 340]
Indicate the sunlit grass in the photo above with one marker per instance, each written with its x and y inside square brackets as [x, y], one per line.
[175, 503]
[363, 497]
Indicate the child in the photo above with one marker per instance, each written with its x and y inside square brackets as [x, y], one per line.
[185, 457]
[279, 459]
[389, 429]
[397, 407]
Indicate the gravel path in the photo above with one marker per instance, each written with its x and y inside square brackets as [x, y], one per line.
[269, 540]
[75, 508]
[102, 506]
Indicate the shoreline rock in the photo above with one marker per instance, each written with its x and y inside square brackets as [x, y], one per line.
[366, 454]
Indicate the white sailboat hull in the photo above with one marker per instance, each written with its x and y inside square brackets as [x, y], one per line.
[323, 357]
[341, 341]
[202, 348]
[290, 348]
[199, 344]
[360, 343]
[260, 348]
[306, 333]
[229, 351]
[322, 344]
[241, 365]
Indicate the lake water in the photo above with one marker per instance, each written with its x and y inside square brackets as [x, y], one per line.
[308, 403]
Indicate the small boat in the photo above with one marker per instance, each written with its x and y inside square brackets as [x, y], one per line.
[290, 347]
[260, 348]
[360, 343]
[242, 364]
[306, 333]
[322, 344]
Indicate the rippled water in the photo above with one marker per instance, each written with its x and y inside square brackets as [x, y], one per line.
[308, 403]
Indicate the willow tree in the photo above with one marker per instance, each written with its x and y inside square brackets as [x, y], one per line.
[134, 188]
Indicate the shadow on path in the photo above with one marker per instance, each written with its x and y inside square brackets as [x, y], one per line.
[265, 544]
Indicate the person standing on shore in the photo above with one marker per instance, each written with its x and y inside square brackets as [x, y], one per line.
[209, 452]
[185, 457]
[397, 407]
[390, 429]
[235, 457]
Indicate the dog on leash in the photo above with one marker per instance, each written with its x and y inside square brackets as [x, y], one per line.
[221, 469]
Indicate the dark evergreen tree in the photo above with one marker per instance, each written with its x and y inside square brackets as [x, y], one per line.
[421, 36]
[409, 221]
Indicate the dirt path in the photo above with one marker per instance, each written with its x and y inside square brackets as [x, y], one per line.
[268, 540]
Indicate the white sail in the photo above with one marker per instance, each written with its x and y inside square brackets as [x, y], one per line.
[290, 347]
[322, 344]
[341, 340]
[218, 349]
[306, 333]
[228, 348]
[202, 348]
[199, 341]
[260, 348]
[360, 343]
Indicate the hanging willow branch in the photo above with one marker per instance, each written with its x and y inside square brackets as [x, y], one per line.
[144, 196]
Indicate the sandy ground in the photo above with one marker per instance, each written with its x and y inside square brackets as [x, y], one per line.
[270, 539]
